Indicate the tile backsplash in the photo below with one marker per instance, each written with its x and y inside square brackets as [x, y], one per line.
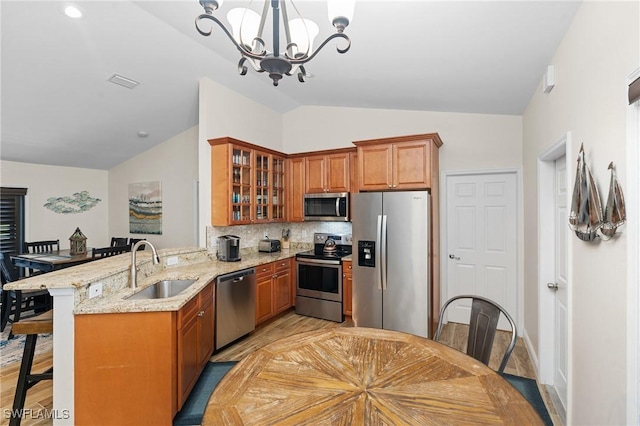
[301, 232]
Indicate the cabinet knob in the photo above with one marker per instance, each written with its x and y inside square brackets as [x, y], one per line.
[201, 313]
[389, 185]
[344, 275]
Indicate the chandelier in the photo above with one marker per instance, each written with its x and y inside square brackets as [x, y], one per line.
[299, 33]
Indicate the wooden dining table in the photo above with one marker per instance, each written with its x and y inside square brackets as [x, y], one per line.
[363, 376]
[51, 261]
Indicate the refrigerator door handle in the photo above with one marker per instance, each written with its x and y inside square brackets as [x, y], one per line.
[383, 252]
[377, 253]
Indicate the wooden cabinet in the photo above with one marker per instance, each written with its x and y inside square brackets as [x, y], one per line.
[195, 340]
[402, 163]
[273, 284]
[295, 170]
[347, 286]
[248, 183]
[139, 367]
[328, 172]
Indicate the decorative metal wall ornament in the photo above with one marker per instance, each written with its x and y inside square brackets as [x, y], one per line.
[247, 37]
[585, 217]
[615, 214]
[79, 202]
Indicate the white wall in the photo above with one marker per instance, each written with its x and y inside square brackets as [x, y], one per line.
[224, 112]
[599, 50]
[44, 182]
[175, 164]
[470, 141]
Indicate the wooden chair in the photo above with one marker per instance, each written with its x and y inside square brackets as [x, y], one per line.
[41, 246]
[18, 302]
[32, 327]
[483, 324]
[117, 241]
[133, 241]
[109, 251]
[45, 246]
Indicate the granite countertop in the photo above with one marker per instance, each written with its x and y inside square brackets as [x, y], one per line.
[193, 263]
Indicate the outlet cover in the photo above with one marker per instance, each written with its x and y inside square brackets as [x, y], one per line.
[95, 290]
[173, 260]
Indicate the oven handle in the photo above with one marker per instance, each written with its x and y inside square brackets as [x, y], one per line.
[318, 262]
[383, 252]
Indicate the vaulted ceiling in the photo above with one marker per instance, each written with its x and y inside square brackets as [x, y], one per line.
[58, 107]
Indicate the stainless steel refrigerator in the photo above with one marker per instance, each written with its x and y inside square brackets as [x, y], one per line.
[391, 274]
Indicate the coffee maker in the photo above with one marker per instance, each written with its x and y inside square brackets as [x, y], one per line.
[228, 249]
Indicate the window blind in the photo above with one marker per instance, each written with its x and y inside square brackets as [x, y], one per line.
[12, 219]
[634, 91]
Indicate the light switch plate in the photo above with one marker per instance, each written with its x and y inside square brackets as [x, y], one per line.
[95, 290]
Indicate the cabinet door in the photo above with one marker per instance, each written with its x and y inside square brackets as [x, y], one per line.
[337, 169]
[296, 189]
[315, 174]
[278, 189]
[411, 168]
[282, 287]
[374, 167]
[264, 298]
[188, 363]
[262, 192]
[241, 176]
[205, 332]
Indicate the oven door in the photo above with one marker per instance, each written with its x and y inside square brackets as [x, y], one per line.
[320, 279]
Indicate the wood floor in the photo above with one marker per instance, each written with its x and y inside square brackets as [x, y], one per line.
[40, 396]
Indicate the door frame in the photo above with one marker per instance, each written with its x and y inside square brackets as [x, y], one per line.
[632, 193]
[546, 260]
[444, 178]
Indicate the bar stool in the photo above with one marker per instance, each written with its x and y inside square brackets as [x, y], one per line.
[40, 324]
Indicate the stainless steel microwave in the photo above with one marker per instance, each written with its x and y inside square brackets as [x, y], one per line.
[327, 206]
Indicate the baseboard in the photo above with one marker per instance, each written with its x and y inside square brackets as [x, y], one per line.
[533, 356]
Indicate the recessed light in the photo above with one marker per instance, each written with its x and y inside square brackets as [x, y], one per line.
[72, 12]
[143, 134]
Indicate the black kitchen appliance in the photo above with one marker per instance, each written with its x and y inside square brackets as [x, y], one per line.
[319, 277]
[228, 248]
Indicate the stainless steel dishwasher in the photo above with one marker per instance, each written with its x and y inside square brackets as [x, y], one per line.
[235, 306]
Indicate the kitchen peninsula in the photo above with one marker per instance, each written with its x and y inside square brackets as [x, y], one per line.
[107, 281]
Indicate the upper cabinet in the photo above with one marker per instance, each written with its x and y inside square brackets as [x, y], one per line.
[248, 183]
[296, 181]
[401, 163]
[328, 172]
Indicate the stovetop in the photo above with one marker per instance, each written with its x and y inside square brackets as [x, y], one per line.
[343, 247]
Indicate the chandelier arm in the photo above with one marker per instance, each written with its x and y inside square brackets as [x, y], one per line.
[328, 39]
[242, 50]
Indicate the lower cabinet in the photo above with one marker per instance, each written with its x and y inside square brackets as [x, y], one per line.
[195, 341]
[139, 367]
[347, 286]
[273, 285]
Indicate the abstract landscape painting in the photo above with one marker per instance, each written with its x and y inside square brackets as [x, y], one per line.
[145, 208]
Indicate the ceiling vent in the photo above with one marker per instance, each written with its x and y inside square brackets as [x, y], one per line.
[122, 81]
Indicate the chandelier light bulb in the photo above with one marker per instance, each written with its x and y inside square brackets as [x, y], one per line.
[303, 32]
[341, 13]
[244, 24]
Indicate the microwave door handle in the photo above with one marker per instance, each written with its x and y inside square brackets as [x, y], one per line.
[383, 252]
[337, 206]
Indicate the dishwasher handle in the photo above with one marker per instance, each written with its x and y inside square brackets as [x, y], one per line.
[235, 276]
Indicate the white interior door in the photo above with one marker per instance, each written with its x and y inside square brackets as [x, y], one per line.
[560, 367]
[481, 216]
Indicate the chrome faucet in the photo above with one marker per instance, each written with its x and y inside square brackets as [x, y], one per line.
[134, 272]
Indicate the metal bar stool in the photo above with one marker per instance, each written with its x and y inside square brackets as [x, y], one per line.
[40, 324]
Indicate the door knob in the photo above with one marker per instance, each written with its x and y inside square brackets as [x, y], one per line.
[553, 286]
[451, 256]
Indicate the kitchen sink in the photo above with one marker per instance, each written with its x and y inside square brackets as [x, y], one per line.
[162, 289]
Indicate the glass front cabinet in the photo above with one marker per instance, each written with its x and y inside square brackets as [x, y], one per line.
[247, 184]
